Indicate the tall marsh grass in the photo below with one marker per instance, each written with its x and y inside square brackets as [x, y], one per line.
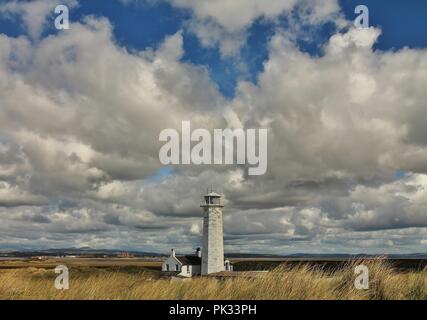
[285, 282]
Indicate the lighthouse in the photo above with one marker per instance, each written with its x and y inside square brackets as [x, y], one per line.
[213, 243]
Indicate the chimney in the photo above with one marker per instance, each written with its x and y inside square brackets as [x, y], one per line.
[198, 253]
[173, 253]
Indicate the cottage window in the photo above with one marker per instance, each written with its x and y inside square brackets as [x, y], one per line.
[167, 267]
[188, 269]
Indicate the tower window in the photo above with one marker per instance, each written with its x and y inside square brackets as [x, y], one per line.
[212, 200]
[176, 267]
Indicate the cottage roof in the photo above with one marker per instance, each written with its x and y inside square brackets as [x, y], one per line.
[190, 260]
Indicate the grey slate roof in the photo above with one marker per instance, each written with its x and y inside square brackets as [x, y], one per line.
[190, 260]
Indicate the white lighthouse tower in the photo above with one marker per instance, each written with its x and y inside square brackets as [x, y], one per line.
[213, 243]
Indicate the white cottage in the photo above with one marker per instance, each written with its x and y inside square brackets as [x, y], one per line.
[184, 266]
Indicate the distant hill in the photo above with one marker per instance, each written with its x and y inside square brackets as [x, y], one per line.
[90, 252]
[326, 256]
[84, 251]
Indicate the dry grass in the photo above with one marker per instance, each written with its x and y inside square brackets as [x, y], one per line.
[302, 282]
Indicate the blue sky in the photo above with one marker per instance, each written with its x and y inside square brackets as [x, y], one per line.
[146, 24]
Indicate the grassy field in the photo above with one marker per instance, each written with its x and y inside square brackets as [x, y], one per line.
[138, 279]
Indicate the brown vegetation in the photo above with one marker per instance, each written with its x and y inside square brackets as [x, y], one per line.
[284, 282]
